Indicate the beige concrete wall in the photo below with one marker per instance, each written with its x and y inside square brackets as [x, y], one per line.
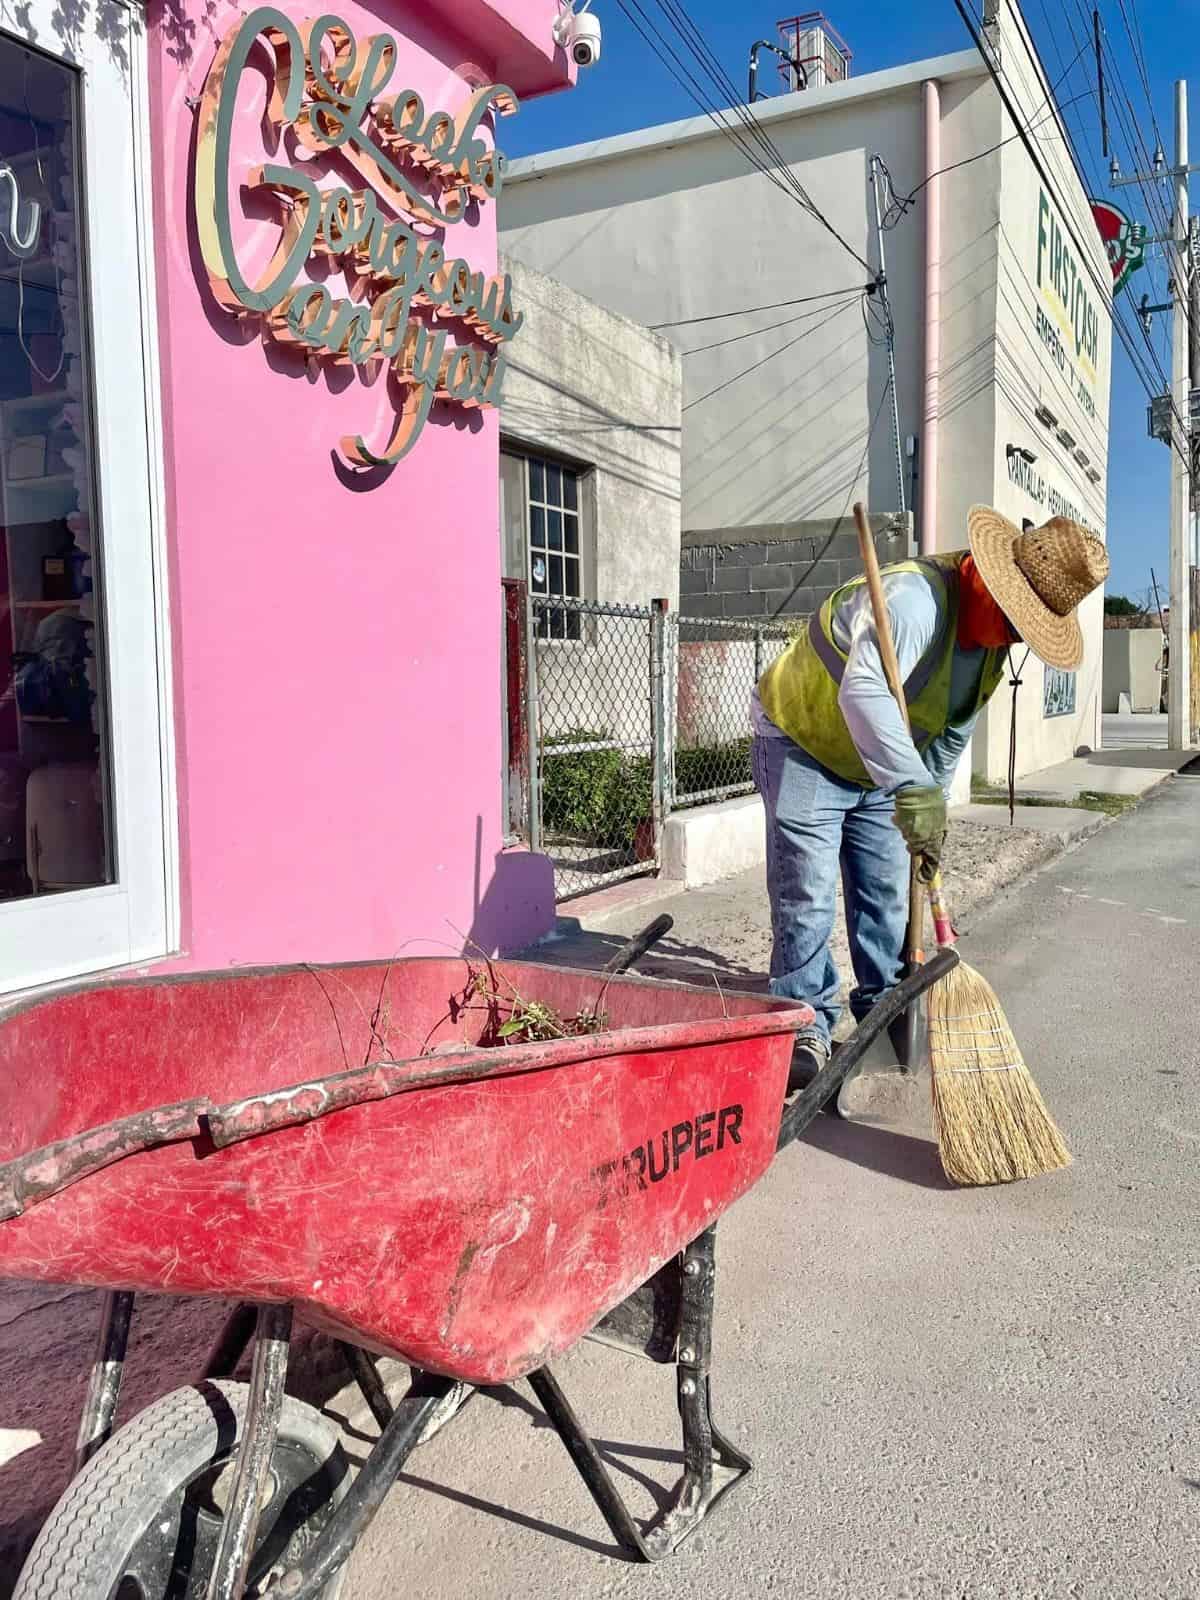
[672, 225]
[588, 385]
[1070, 380]
[686, 229]
[1131, 666]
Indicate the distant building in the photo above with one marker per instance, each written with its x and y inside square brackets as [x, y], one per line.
[1002, 331]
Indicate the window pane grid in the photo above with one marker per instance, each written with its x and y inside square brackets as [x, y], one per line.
[555, 562]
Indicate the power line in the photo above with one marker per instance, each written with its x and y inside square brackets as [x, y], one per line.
[900, 205]
[775, 305]
[783, 178]
[678, 16]
[1104, 292]
[746, 371]
[767, 327]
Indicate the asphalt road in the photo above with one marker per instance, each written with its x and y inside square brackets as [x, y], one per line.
[950, 1395]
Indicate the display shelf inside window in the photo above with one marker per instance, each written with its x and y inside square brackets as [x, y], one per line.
[47, 480]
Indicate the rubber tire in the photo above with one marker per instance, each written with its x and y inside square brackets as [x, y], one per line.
[83, 1546]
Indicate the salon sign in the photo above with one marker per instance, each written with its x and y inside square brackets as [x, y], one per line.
[412, 313]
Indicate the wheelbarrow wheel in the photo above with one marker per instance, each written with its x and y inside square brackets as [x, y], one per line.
[142, 1520]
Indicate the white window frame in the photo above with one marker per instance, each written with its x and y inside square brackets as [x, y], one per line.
[49, 938]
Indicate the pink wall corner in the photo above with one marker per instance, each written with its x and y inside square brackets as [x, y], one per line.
[336, 639]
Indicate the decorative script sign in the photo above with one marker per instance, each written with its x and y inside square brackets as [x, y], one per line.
[420, 172]
[1124, 241]
[20, 219]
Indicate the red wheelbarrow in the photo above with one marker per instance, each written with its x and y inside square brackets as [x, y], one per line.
[349, 1145]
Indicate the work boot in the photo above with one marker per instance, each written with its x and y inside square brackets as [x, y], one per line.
[810, 1055]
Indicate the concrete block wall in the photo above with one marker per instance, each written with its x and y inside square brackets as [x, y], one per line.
[778, 569]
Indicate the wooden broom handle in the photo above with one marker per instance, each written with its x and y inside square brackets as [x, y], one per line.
[891, 668]
[883, 626]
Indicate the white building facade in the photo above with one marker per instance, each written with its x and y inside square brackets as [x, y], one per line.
[1000, 293]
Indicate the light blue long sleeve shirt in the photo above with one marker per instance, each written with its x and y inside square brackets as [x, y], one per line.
[876, 726]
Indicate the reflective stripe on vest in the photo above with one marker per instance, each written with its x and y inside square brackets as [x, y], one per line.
[799, 691]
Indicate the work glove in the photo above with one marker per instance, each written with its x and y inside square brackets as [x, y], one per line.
[921, 817]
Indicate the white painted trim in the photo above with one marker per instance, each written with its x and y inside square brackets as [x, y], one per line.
[55, 937]
[830, 97]
[143, 157]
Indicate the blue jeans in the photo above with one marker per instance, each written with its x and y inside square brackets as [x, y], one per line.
[818, 824]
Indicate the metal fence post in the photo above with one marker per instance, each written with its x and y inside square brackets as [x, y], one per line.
[515, 726]
[534, 726]
[659, 722]
[758, 653]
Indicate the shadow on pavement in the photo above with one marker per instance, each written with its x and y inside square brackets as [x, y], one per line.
[671, 959]
[894, 1155]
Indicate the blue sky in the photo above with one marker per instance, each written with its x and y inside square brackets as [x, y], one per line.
[631, 89]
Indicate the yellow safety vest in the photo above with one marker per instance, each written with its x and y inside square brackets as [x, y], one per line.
[799, 691]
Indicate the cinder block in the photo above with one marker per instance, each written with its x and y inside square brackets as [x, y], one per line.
[775, 575]
[730, 580]
[790, 602]
[744, 555]
[744, 605]
[695, 582]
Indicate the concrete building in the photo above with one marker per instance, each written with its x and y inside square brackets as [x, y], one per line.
[1133, 661]
[590, 416]
[998, 282]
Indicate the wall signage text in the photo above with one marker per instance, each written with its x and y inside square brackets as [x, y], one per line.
[418, 172]
[1053, 501]
[1068, 323]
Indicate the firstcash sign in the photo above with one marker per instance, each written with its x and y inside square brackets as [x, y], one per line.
[1062, 280]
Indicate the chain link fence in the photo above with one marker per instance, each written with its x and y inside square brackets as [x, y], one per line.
[633, 712]
[594, 739]
[714, 666]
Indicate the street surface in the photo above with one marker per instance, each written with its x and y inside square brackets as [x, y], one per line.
[948, 1395]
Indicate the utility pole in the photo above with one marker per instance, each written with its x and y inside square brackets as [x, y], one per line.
[1194, 458]
[1179, 705]
[881, 289]
[1179, 571]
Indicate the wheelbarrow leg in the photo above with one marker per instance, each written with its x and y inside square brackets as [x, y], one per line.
[366, 1494]
[232, 1341]
[252, 1463]
[711, 1465]
[104, 1385]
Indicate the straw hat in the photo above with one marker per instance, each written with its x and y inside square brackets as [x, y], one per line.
[1038, 578]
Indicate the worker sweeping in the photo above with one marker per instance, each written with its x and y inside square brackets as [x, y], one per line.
[848, 790]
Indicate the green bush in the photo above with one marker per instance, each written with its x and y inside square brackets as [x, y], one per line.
[597, 796]
[600, 796]
[713, 766]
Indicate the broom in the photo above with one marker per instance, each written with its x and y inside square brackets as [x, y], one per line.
[991, 1122]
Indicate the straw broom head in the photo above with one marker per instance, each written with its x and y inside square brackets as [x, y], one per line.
[992, 1124]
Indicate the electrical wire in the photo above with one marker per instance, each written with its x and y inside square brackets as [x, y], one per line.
[774, 305]
[1104, 292]
[681, 20]
[759, 145]
[768, 327]
[899, 205]
[746, 371]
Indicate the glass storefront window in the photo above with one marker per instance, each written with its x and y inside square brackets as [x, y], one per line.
[55, 828]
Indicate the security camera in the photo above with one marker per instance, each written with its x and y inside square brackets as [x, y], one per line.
[578, 32]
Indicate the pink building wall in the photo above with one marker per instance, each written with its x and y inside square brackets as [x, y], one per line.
[336, 638]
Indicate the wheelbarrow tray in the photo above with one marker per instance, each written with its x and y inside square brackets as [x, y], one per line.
[474, 1227]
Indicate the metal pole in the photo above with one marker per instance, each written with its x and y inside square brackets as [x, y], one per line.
[659, 725]
[533, 724]
[876, 181]
[1178, 685]
[1194, 460]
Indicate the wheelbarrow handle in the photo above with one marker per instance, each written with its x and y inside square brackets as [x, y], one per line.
[828, 1082]
[634, 949]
